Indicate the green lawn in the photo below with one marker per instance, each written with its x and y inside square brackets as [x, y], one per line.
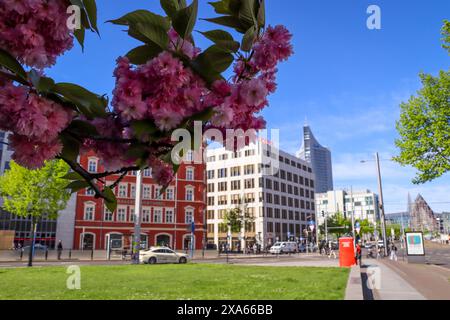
[176, 282]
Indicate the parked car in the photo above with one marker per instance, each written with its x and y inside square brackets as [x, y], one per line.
[162, 255]
[284, 247]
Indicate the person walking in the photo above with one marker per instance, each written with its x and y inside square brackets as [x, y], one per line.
[59, 249]
[359, 254]
[393, 252]
[331, 251]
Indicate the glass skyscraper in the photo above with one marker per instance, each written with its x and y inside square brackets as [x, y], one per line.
[320, 159]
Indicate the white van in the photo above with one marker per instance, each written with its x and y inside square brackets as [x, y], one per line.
[284, 247]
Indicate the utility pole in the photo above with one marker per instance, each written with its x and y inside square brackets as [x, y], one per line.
[353, 217]
[137, 218]
[380, 189]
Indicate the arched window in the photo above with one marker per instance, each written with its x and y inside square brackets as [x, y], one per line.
[89, 211]
[189, 193]
[93, 165]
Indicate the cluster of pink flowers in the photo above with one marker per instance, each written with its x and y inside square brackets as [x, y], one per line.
[162, 90]
[35, 31]
[35, 123]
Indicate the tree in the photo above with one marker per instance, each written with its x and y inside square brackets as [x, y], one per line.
[446, 35]
[236, 220]
[424, 125]
[164, 85]
[35, 193]
[337, 225]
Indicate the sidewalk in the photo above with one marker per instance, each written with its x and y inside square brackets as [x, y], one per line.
[381, 282]
[433, 282]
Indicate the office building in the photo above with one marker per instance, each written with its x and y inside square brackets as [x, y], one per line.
[319, 158]
[273, 188]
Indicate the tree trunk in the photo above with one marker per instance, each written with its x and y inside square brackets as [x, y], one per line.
[33, 240]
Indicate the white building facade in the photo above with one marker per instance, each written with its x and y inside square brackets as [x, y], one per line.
[362, 204]
[273, 187]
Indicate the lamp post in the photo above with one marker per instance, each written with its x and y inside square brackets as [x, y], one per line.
[137, 218]
[381, 201]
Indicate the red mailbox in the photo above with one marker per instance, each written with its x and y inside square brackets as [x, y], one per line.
[346, 252]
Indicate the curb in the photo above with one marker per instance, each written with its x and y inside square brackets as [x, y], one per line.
[354, 289]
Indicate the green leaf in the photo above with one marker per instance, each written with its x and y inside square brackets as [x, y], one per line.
[221, 7]
[170, 7]
[78, 185]
[248, 39]
[247, 13]
[144, 127]
[71, 147]
[216, 58]
[41, 84]
[142, 54]
[72, 176]
[10, 63]
[110, 201]
[261, 18]
[79, 35]
[82, 128]
[212, 62]
[88, 103]
[205, 115]
[142, 16]
[228, 21]
[222, 39]
[184, 20]
[91, 10]
[153, 34]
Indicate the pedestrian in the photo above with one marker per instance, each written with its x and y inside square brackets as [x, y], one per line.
[255, 248]
[60, 249]
[331, 250]
[358, 254]
[393, 252]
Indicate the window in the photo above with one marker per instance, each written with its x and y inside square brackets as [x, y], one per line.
[210, 174]
[211, 159]
[158, 194]
[169, 215]
[210, 214]
[122, 191]
[190, 174]
[249, 183]
[249, 153]
[132, 215]
[90, 192]
[146, 215]
[235, 185]
[211, 201]
[189, 216]
[169, 194]
[148, 173]
[157, 216]
[133, 191]
[235, 199]
[92, 165]
[89, 211]
[121, 214]
[189, 194]
[147, 191]
[223, 157]
[222, 186]
[108, 216]
[235, 171]
[223, 200]
[249, 169]
[222, 173]
[210, 187]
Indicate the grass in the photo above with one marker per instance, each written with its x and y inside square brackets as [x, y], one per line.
[176, 282]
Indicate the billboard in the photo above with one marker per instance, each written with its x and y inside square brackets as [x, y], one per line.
[414, 244]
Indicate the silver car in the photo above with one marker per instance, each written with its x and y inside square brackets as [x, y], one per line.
[162, 255]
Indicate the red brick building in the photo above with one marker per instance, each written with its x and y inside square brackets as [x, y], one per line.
[165, 218]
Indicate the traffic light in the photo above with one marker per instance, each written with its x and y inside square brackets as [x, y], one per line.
[323, 214]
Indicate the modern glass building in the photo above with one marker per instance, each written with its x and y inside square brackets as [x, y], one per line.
[320, 159]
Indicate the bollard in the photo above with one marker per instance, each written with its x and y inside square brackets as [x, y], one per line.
[92, 254]
[21, 255]
[46, 254]
[70, 254]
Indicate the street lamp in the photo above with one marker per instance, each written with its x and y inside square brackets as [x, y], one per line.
[380, 189]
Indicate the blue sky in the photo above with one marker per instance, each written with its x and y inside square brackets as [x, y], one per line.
[345, 79]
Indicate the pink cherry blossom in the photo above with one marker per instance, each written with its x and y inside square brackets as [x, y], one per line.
[253, 92]
[35, 31]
